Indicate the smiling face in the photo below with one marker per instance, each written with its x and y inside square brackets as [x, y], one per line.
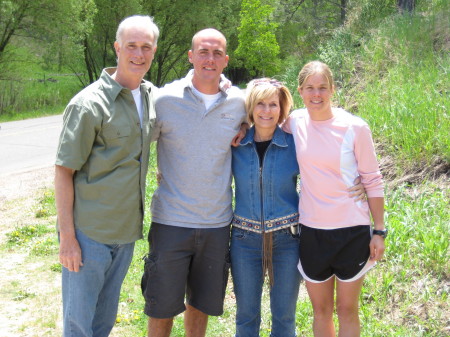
[209, 58]
[266, 114]
[135, 53]
[316, 93]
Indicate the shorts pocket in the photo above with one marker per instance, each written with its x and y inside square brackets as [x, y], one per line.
[226, 273]
[149, 267]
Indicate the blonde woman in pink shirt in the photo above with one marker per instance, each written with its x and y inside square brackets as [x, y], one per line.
[340, 239]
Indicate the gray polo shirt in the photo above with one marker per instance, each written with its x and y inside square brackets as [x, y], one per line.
[194, 156]
[103, 141]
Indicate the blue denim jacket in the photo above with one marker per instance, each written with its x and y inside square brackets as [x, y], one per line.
[266, 199]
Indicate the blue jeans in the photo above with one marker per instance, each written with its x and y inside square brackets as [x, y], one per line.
[91, 296]
[246, 269]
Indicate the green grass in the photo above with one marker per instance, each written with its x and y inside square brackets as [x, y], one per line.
[405, 295]
[39, 239]
[406, 101]
[30, 89]
[46, 205]
[31, 99]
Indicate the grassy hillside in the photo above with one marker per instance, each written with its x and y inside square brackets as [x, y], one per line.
[395, 74]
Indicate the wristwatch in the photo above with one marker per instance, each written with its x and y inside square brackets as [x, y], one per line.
[381, 232]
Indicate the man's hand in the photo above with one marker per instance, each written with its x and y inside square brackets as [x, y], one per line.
[69, 248]
[357, 191]
[240, 135]
[70, 253]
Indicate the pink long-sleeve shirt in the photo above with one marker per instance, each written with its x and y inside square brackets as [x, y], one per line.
[331, 154]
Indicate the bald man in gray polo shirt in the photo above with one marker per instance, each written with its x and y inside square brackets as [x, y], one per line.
[197, 118]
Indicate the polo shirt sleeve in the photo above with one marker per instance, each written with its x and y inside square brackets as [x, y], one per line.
[77, 136]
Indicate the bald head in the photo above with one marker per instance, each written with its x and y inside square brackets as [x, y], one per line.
[208, 33]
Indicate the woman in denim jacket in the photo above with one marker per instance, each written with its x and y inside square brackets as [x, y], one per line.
[265, 170]
[265, 223]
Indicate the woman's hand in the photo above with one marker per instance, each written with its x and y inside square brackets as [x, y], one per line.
[376, 248]
[357, 191]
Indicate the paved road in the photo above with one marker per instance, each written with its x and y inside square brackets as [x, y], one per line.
[29, 144]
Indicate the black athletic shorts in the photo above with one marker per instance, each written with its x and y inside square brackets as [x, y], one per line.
[342, 252]
[185, 264]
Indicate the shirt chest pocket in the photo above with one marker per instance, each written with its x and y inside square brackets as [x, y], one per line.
[113, 134]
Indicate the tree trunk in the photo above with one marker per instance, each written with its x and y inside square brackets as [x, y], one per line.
[406, 5]
[87, 61]
[343, 10]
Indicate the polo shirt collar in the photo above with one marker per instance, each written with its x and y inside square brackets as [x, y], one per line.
[224, 83]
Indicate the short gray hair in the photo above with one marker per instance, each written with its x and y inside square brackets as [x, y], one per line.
[141, 21]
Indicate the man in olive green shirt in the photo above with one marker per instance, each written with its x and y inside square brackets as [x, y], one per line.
[100, 173]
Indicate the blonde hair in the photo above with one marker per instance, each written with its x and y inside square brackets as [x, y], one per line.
[263, 88]
[312, 68]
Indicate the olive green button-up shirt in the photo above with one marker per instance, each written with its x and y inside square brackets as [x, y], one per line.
[103, 141]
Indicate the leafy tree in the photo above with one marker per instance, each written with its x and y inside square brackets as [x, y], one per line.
[24, 20]
[178, 21]
[93, 34]
[305, 24]
[258, 46]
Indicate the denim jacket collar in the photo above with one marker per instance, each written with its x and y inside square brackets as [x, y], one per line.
[279, 137]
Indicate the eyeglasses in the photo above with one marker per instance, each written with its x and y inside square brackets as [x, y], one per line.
[264, 81]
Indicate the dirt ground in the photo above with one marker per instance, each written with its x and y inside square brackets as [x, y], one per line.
[23, 284]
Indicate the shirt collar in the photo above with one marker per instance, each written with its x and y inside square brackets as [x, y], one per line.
[279, 137]
[224, 83]
[112, 87]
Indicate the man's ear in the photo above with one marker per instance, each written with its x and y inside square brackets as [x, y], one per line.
[190, 56]
[117, 48]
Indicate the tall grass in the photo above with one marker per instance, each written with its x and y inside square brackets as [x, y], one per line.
[34, 97]
[408, 102]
